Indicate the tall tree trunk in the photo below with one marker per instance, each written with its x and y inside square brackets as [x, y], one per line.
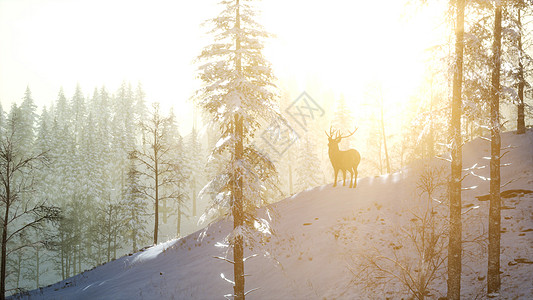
[455, 234]
[179, 220]
[156, 225]
[238, 207]
[493, 273]
[109, 238]
[133, 235]
[38, 266]
[19, 267]
[194, 197]
[62, 250]
[520, 121]
[4, 248]
[291, 189]
[79, 257]
[382, 123]
[238, 215]
[431, 135]
[115, 234]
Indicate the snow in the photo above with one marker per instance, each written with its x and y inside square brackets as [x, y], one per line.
[318, 237]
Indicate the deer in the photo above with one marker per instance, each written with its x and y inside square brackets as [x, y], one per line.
[342, 160]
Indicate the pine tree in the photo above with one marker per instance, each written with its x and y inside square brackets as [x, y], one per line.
[28, 117]
[177, 178]
[520, 119]
[62, 110]
[137, 205]
[237, 94]
[522, 62]
[343, 120]
[307, 164]
[78, 109]
[195, 168]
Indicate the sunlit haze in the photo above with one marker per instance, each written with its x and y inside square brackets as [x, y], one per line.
[341, 45]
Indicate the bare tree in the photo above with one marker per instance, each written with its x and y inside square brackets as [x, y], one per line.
[157, 164]
[20, 213]
[418, 254]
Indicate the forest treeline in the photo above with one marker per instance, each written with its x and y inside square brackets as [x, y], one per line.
[88, 165]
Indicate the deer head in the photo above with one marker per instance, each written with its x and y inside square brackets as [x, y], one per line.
[335, 137]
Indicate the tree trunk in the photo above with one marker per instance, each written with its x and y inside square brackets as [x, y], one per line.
[4, 249]
[493, 273]
[238, 207]
[62, 250]
[291, 189]
[79, 257]
[238, 216]
[179, 220]
[455, 234]
[37, 267]
[520, 122]
[19, 267]
[384, 136]
[109, 238]
[156, 225]
[431, 135]
[194, 197]
[115, 234]
[133, 235]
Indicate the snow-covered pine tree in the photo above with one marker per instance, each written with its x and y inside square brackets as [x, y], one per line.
[307, 165]
[516, 41]
[140, 109]
[238, 94]
[62, 110]
[79, 112]
[177, 177]
[137, 205]
[343, 120]
[195, 168]
[123, 135]
[28, 120]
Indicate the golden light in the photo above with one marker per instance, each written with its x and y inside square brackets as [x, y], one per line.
[343, 46]
[348, 46]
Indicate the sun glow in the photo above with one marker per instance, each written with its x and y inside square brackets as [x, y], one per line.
[349, 46]
[339, 46]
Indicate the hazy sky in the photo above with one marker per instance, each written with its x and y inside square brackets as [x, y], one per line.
[47, 44]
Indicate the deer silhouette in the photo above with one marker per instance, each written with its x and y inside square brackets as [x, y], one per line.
[343, 160]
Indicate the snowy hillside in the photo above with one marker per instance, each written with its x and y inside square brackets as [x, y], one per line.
[324, 236]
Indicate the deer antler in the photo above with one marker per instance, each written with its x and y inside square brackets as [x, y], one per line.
[343, 137]
[330, 132]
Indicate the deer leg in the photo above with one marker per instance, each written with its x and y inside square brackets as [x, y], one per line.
[343, 177]
[351, 178]
[335, 182]
[355, 178]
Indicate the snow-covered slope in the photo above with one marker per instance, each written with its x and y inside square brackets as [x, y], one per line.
[320, 236]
